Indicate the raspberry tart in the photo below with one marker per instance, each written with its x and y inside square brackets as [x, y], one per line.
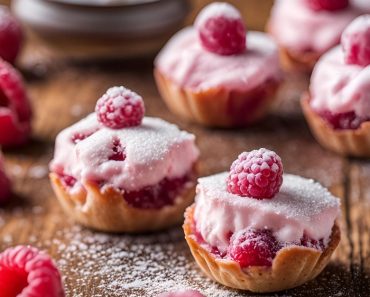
[255, 229]
[337, 107]
[306, 29]
[215, 73]
[27, 272]
[182, 293]
[118, 171]
[15, 108]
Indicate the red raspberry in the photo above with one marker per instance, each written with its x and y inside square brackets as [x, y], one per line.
[27, 272]
[312, 243]
[221, 29]
[5, 185]
[15, 109]
[330, 5]
[11, 36]
[253, 247]
[356, 41]
[119, 108]
[257, 174]
[183, 293]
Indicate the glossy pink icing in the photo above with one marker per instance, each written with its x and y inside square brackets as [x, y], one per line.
[302, 205]
[340, 87]
[299, 28]
[189, 65]
[154, 150]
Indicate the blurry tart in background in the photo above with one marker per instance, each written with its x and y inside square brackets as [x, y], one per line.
[306, 29]
[337, 107]
[119, 171]
[217, 74]
[255, 228]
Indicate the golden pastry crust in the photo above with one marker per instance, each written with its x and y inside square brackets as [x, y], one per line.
[217, 107]
[346, 142]
[291, 267]
[109, 212]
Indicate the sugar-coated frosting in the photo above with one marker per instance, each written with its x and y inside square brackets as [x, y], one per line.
[154, 150]
[301, 206]
[340, 87]
[189, 65]
[297, 27]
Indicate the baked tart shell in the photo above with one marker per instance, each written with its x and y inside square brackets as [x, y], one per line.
[109, 212]
[217, 107]
[346, 142]
[291, 267]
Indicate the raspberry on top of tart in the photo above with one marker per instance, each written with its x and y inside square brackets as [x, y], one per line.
[254, 215]
[147, 162]
[215, 72]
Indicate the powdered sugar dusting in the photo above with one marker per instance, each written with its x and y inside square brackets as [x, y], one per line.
[132, 266]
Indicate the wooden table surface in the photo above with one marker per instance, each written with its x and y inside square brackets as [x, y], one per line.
[96, 264]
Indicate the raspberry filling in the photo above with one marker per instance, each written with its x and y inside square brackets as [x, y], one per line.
[329, 5]
[155, 197]
[341, 121]
[151, 197]
[254, 247]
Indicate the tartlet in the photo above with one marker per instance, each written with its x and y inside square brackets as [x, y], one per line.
[116, 178]
[306, 29]
[261, 244]
[216, 74]
[337, 105]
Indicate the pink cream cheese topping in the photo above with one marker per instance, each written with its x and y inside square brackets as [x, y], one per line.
[152, 151]
[340, 87]
[301, 207]
[189, 65]
[297, 27]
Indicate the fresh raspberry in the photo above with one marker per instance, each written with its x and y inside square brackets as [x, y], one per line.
[118, 151]
[119, 108]
[257, 174]
[11, 36]
[356, 41]
[182, 293]
[5, 184]
[27, 272]
[253, 247]
[330, 5]
[15, 109]
[221, 29]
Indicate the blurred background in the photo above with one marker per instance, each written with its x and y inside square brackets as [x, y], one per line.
[81, 29]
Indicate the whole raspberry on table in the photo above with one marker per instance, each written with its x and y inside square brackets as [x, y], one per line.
[253, 247]
[11, 36]
[257, 174]
[5, 184]
[355, 41]
[15, 109]
[330, 5]
[28, 272]
[221, 29]
[119, 108]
